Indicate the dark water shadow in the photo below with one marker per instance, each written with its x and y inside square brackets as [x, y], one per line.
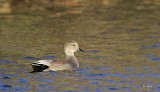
[152, 57]
[155, 45]
[134, 30]
[35, 58]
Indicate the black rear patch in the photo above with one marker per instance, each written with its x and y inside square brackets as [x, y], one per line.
[39, 67]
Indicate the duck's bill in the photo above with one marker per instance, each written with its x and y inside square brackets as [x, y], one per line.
[81, 50]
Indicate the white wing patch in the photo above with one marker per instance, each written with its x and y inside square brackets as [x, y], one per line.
[44, 62]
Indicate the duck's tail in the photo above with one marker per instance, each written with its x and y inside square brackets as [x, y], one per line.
[37, 67]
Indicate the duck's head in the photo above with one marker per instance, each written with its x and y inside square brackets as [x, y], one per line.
[71, 47]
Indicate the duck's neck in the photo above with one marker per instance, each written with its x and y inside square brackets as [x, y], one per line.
[72, 60]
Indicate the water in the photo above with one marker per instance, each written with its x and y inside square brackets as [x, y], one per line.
[121, 40]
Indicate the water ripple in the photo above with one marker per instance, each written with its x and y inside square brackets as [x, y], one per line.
[152, 57]
[155, 45]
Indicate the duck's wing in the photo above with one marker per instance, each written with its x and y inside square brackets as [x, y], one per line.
[58, 62]
[45, 65]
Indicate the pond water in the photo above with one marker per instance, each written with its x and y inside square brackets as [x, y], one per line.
[121, 40]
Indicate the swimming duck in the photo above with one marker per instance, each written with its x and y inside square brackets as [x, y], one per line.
[71, 62]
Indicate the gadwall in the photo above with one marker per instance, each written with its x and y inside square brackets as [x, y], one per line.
[71, 62]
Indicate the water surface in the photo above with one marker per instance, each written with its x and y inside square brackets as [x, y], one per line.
[121, 40]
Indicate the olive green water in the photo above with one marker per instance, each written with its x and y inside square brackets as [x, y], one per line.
[121, 41]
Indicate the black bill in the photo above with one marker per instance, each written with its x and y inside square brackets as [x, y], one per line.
[81, 50]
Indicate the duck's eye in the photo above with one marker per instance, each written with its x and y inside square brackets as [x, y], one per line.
[73, 44]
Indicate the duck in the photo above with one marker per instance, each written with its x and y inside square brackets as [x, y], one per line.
[70, 63]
